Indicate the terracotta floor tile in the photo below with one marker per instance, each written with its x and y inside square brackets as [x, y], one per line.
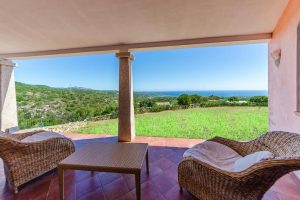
[154, 171]
[116, 189]
[172, 172]
[95, 195]
[175, 194]
[69, 188]
[175, 158]
[149, 192]
[180, 151]
[167, 152]
[73, 176]
[130, 181]
[86, 186]
[163, 163]
[163, 183]
[153, 156]
[30, 191]
[106, 178]
[128, 196]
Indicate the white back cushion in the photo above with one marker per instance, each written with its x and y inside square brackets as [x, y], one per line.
[214, 154]
[245, 162]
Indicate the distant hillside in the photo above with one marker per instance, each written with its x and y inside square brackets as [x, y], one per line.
[40, 105]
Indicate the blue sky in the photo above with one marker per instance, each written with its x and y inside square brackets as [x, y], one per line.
[239, 67]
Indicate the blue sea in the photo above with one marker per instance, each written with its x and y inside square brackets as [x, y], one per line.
[220, 93]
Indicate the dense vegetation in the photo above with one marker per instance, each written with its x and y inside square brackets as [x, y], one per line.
[40, 105]
[240, 123]
[44, 106]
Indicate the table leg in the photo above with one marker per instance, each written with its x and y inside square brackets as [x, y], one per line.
[61, 182]
[138, 185]
[147, 161]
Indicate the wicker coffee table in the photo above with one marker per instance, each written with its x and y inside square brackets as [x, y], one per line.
[125, 158]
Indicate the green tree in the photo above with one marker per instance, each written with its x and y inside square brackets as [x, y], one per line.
[146, 103]
[184, 100]
[259, 99]
[107, 110]
[195, 98]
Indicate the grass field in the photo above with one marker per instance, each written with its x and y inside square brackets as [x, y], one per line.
[240, 123]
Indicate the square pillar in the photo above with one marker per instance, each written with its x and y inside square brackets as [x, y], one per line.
[126, 132]
[8, 103]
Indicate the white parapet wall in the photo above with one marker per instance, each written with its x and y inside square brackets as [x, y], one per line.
[8, 104]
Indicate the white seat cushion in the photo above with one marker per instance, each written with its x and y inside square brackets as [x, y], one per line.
[214, 154]
[42, 136]
[251, 159]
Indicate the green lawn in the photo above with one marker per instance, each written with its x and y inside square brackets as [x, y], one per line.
[240, 123]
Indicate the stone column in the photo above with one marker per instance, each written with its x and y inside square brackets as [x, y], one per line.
[8, 103]
[126, 131]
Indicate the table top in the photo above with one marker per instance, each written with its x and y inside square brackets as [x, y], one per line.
[107, 156]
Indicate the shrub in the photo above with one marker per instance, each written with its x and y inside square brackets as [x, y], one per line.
[203, 100]
[259, 100]
[157, 108]
[184, 100]
[146, 103]
[195, 98]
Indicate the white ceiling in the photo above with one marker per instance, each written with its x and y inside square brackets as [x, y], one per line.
[40, 25]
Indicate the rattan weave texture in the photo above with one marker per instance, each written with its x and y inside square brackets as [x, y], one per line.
[26, 161]
[210, 183]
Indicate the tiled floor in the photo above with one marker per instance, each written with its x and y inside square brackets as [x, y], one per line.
[161, 184]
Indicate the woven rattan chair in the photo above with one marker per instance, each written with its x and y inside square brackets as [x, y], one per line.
[26, 161]
[210, 183]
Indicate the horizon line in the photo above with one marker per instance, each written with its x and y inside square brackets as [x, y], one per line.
[167, 90]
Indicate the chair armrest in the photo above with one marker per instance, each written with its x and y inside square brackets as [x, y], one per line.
[22, 135]
[50, 143]
[15, 151]
[194, 174]
[273, 166]
[262, 171]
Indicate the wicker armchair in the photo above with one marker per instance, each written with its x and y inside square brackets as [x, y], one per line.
[26, 161]
[210, 183]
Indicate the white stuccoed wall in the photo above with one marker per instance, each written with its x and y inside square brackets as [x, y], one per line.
[283, 78]
[8, 104]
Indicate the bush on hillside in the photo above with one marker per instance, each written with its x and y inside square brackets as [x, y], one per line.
[259, 99]
[195, 98]
[184, 100]
[146, 103]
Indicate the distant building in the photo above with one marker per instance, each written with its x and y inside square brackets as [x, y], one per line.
[240, 101]
[163, 103]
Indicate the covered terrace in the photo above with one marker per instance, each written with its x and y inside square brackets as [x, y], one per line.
[36, 29]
